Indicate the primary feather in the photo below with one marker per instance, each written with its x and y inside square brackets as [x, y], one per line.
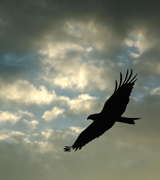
[111, 112]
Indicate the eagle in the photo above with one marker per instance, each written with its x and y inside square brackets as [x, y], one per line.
[112, 111]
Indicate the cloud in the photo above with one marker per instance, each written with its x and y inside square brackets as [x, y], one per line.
[77, 130]
[55, 134]
[12, 136]
[74, 72]
[82, 104]
[61, 58]
[26, 113]
[155, 91]
[8, 116]
[31, 124]
[52, 21]
[23, 92]
[53, 114]
[134, 55]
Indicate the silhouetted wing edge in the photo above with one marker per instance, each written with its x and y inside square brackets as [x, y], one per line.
[127, 80]
[78, 145]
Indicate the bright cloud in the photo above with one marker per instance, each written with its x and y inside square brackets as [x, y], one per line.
[77, 130]
[53, 114]
[134, 55]
[139, 40]
[55, 134]
[12, 136]
[8, 116]
[59, 50]
[81, 104]
[78, 74]
[22, 91]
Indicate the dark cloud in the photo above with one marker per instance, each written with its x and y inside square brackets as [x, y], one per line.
[26, 24]
[23, 24]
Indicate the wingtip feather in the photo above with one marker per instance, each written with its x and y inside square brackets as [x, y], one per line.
[115, 87]
[120, 80]
[129, 76]
[133, 79]
[67, 148]
[125, 77]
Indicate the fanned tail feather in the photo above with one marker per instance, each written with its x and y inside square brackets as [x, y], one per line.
[127, 120]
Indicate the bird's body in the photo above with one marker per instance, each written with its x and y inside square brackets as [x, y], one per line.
[111, 112]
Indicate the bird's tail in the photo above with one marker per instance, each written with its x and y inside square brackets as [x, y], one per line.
[127, 120]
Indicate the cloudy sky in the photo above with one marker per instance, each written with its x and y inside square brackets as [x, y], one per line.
[58, 64]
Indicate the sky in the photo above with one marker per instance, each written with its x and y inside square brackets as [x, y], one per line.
[59, 61]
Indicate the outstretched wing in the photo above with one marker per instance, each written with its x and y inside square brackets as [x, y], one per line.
[117, 103]
[93, 131]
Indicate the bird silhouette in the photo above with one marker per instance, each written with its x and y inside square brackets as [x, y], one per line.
[113, 109]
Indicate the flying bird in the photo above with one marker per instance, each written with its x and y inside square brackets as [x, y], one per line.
[112, 111]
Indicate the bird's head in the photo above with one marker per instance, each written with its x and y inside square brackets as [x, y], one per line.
[89, 117]
[93, 117]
